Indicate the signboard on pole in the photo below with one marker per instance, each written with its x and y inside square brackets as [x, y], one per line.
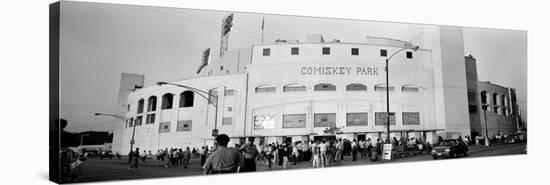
[386, 152]
[214, 132]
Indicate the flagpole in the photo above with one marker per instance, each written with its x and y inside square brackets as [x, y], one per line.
[263, 19]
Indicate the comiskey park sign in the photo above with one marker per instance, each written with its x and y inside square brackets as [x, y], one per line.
[336, 70]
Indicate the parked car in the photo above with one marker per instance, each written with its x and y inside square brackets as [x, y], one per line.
[449, 148]
[71, 165]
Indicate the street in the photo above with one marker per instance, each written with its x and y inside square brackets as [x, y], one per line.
[104, 170]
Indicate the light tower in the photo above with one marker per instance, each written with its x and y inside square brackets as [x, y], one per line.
[227, 23]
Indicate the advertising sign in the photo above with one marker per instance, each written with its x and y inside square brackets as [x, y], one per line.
[411, 118]
[324, 120]
[264, 122]
[357, 119]
[381, 119]
[294, 121]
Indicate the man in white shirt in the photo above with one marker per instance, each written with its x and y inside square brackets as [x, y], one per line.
[323, 149]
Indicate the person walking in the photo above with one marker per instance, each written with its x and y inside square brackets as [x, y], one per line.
[180, 157]
[295, 154]
[339, 146]
[368, 143]
[130, 156]
[250, 153]
[306, 150]
[300, 148]
[284, 153]
[316, 154]
[135, 159]
[354, 150]
[223, 159]
[186, 156]
[269, 155]
[330, 153]
[203, 152]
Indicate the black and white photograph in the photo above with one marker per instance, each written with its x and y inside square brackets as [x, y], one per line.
[307, 92]
[149, 92]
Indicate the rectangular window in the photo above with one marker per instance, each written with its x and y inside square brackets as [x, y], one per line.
[383, 53]
[409, 89]
[262, 122]
[382, 88]
[131, 122]
[471, 96]
[324, 87]
[164, 127]
[294, 121]
[294, 51]
[184, 126]
[138, 121]
[409, 54]
[229, 109]
[354, 51]
[227, 121]
[324, 120]
[221, 68]
[472, 108]
[411, 118]
[294, 88]
[357, 119]
[382, 119]
[229, 92]
[265, 89]
[266, 52]
[326, 51]
[150, 119]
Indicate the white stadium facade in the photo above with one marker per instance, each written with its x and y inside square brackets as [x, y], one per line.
[293, 90]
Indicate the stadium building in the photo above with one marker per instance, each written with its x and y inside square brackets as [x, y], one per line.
[294, 90]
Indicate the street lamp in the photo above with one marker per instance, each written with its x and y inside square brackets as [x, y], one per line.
[125, 120]
[484, 107]
[204, 95]
[407, 46]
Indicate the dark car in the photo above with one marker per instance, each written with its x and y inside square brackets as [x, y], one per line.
[71, 165]
[449, 148]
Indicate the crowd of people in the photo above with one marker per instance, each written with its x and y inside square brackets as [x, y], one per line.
[326, 152]
[320, 153]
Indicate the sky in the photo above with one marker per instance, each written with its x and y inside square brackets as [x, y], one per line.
[101, 41]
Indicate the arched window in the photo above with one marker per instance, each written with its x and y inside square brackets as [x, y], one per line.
[265, 89]
[356, 87]
[294, 88]
[167, 100]
[508, 107]
[495, 102]
[324, 87]
[152, 104]
[409, 88]
[382, 87]
[503, 105]
[187, 98]
[140, 106]
[483, 97]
